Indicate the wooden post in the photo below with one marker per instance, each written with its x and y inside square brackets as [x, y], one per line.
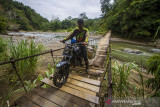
[110, 89]
[14, 66]
[52, 57]
[109, 75]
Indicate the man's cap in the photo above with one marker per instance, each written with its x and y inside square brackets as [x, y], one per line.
[80, 21]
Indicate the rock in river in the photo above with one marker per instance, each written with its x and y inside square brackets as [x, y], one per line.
[133, 51]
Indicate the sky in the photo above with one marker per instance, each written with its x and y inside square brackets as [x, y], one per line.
[64, 8]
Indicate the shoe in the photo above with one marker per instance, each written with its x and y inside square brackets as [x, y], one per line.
[87, 67]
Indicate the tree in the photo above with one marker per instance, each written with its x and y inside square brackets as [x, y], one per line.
[105, 6]
[131, 18]
[3, 25]
[83, 15]
[55, 24]
[69, 18]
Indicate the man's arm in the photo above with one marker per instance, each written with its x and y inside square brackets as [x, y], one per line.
[71, 35]
[87, 35]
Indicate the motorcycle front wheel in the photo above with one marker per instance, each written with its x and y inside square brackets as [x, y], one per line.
[61, 75]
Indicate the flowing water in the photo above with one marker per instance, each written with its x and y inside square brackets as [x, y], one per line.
[48, 39]
[129, 52]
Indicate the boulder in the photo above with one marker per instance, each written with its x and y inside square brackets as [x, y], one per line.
[154, 50]
[133, 51]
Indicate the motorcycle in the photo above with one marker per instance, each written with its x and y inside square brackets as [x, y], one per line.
[71, 57]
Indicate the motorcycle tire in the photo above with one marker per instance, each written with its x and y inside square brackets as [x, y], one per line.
[61, 75]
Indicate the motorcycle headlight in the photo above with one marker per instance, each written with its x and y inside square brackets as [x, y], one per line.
[66, 49]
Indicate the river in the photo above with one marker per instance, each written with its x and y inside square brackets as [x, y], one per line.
[49, 39]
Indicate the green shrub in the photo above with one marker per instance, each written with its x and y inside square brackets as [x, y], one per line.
[3, 50]
[154, 69]
[22, 49]
[3, 25]
[120, 77]
[3, 57]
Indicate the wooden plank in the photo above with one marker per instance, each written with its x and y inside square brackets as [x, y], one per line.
[90, 67]
[96, 68]
[84, 85]
[102, 46]
[86, 96]
[69, 97]
[96, 71]
[80, 89]
[92, 71]
[101, 51]
[57, 56]
[86, 80]
[23, 102]
[83, 79]
[40, 100]
[101, 55]
[53, 98]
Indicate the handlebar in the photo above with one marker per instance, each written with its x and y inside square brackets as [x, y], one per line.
[78, 43]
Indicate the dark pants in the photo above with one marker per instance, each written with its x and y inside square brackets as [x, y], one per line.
[84, 53]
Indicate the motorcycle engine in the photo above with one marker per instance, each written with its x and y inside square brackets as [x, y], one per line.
[77, 50]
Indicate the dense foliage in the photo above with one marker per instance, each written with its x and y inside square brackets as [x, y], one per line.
[18, 16]
[22, 49]
[138, 19]
[154, 69]
[3, 50]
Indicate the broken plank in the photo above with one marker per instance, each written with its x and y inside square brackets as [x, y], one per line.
[86, 96]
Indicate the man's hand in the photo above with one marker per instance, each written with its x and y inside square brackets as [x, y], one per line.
[85, 43]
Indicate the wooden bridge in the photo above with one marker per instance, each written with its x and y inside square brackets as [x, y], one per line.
[78, 91]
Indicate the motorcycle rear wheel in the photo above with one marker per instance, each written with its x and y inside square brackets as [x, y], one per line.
[60, 76]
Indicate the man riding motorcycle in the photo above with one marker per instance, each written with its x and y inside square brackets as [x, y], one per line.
[81, 33]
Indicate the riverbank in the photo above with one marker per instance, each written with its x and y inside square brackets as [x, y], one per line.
[155, 44]
[130, 51]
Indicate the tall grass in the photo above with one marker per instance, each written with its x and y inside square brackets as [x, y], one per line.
[141, 82]
[22, 49]
[120, 78]
[29, 85]
[3, 57]
[47, 74]
[9, 93]
[3, 50]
